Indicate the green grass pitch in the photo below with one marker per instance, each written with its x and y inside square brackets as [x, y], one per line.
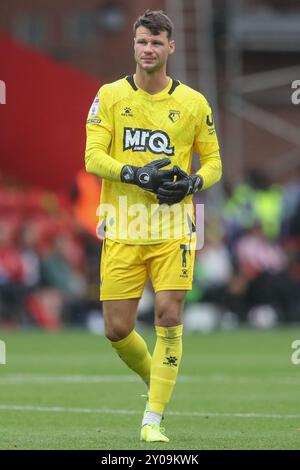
[69, 390]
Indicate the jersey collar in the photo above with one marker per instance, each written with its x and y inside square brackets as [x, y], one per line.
[170, 88]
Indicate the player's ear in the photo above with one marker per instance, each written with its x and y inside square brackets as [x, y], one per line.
[172, 46]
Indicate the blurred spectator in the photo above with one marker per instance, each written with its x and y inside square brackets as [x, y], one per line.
[29, 255]
[85, 195]
[254, 200]
[256, 254]
[12, 274]
[213, 265]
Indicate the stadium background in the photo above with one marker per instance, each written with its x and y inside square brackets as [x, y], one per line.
[244, 57]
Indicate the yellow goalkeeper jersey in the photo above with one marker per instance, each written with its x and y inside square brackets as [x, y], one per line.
[127, 125]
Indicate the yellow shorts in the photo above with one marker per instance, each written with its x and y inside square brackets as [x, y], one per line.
[126, 268]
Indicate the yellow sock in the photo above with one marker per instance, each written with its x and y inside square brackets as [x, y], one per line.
[134, 352]
[164, 367]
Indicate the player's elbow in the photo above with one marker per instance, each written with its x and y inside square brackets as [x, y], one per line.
[219, 171]
[88, 166]
[88, 163]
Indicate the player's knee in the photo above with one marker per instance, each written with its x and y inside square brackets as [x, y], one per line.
[116, 331]
[169, 308]
[169, 314]
[168, 321]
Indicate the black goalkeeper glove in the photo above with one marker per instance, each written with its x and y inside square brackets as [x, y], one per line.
[149, 177]
[173, 192]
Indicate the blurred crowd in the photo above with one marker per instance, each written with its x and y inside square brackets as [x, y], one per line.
[248, 269]
[48, 261]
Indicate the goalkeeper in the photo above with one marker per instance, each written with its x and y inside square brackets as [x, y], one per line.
[141, 134]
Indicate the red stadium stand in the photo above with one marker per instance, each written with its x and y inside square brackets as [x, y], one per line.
[42, 124]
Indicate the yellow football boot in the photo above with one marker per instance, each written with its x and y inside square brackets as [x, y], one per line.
[153, 433]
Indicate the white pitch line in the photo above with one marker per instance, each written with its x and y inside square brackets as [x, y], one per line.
[15, 379]
[199, 414]
[65, 379]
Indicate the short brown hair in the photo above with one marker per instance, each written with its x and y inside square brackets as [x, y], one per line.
[156, 22]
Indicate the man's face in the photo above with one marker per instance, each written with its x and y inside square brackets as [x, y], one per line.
[151, 51]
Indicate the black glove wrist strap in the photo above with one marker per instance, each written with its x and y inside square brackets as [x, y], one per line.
[197, 183]
[128, 173]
